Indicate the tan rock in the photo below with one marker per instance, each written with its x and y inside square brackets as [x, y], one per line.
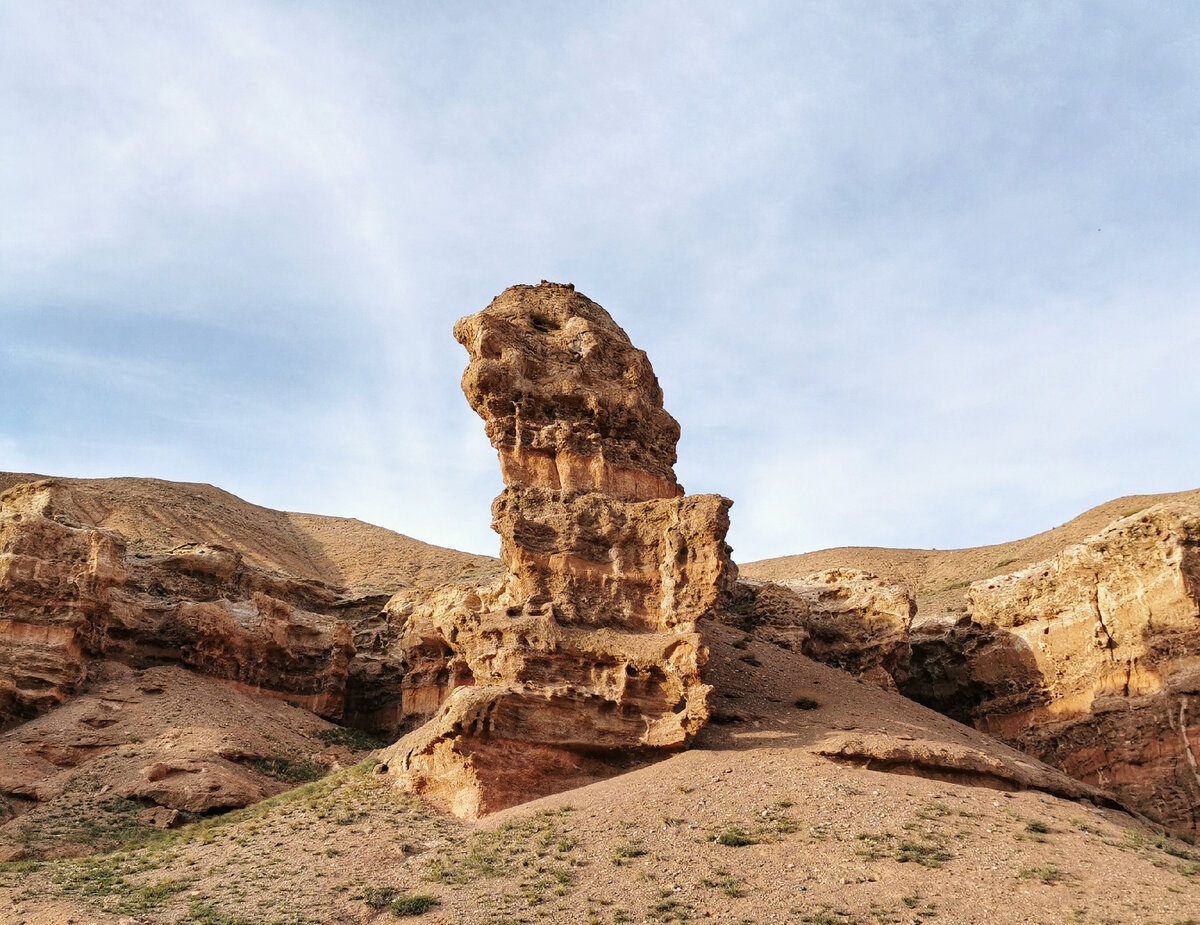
[194, 785]
[842, 617]
[1089, 660]
[159, 817]
[584, 655]
[71, 592]
[568, 402]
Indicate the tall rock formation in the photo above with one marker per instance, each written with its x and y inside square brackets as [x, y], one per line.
[584, 655]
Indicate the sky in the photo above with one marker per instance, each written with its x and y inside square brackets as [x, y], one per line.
[911, 274]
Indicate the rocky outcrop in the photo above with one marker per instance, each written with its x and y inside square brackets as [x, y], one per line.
[1089, 660]
[72, 593]
[846, 618]
[55, 580]
[584, 655]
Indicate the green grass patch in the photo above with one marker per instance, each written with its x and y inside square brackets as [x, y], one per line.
[412, 904]
[354, 739]
[724, 881]
[280, 768]
[628, 850]
[734, 837]
[1047, 873]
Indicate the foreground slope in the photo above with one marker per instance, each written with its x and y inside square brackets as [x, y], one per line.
[776, 814]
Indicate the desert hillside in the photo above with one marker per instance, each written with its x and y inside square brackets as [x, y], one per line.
[940, 577]
[605, 725]
[1080, 645]
[810, 798]
[156, 516]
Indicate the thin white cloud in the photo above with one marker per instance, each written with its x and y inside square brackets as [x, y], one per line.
[908, 275]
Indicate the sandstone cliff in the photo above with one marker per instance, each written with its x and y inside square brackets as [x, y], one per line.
[149, 572]
[584, 655]
[847, 618]
[1088, 659]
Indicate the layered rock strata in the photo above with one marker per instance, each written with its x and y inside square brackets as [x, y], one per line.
[73, 593]
[846, 618]
[1089, 660]
[584, 655]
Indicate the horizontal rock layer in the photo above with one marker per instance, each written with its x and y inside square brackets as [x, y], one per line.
[72, 592]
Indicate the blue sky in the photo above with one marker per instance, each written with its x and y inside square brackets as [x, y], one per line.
[911, 274]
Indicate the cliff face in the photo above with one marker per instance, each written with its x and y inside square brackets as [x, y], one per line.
[94, 571]
[1089, 660]
[584, 655]
[72, 593]
[846, 618]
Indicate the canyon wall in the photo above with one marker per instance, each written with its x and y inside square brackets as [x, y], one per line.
[1088, 659]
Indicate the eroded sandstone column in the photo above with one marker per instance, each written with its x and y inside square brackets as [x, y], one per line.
[585, 656]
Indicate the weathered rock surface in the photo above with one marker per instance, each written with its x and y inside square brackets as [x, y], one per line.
[584, 655]
[847, 618]
[144, 748]
[567, 401]
[1089, 660]
[234, 591]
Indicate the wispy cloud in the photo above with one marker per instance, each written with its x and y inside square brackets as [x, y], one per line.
[916, 274]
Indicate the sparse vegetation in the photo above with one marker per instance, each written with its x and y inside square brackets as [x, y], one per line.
[668, 908]
[734, 837]
[396, 901]
[924, 851]
[628, 850]
[354, 739]
[829, 915]
[927, 854]
[281, 768]
[1047, 873]
[721, 879]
